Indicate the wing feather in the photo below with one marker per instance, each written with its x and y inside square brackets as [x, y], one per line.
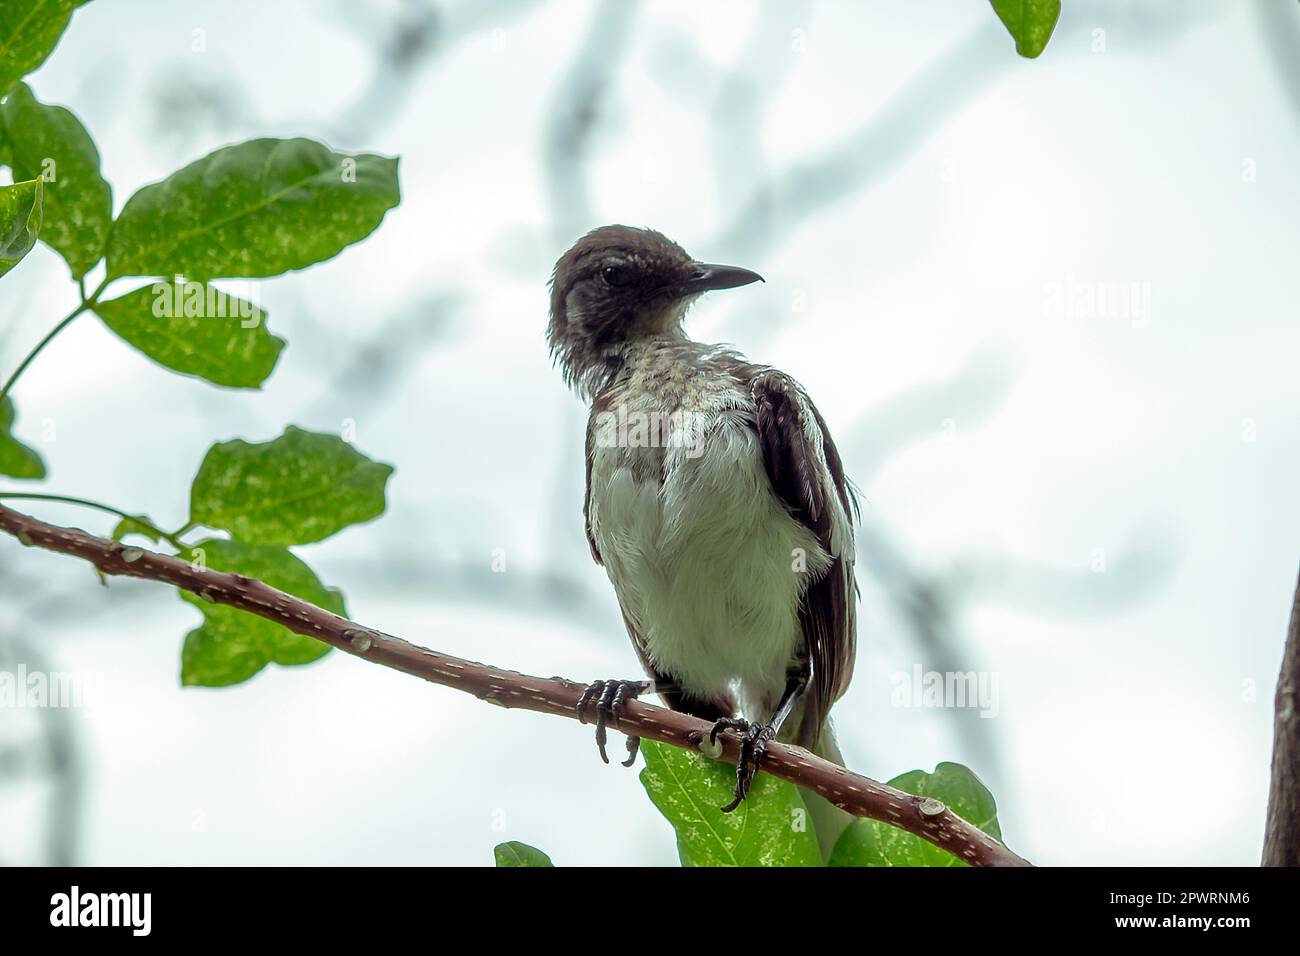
[807, 475]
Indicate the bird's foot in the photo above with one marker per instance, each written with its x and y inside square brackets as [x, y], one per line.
[610, 696]
[753, 745]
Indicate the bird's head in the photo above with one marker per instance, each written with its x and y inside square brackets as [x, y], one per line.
[617, 285]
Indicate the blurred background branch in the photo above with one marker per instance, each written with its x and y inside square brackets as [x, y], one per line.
[1282, 828]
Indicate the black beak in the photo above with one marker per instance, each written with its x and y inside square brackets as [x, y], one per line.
[709, 277]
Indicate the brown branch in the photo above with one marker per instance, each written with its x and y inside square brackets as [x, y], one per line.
[926, 818]
[1282, 831]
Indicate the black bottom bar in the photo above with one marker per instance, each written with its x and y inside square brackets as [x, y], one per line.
[337, 906]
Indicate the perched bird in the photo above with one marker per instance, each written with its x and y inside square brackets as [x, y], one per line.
[715, 499]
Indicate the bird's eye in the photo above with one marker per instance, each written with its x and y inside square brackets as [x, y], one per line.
[616, 276]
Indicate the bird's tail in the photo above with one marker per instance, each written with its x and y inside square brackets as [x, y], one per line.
[828, 820]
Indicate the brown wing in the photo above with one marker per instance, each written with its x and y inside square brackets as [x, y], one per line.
[805, 471]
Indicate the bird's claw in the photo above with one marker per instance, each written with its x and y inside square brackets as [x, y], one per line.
[610, 696]
[753, 745]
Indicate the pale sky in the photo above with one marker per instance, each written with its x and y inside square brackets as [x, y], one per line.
[1096, 250]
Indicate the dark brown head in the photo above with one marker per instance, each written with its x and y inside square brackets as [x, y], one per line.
[617, 285]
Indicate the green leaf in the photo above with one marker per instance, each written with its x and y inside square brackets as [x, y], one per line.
[1030, 22]
[20, 221]
[259, 208]
[232, 645]
[196, 329]
[16, 459]
[140, 524]
[515, 853]
[49, 142]
[299, 488]
[872, 843]
[771, 828]
[29, 29]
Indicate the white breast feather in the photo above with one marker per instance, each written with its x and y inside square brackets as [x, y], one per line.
[705, 567]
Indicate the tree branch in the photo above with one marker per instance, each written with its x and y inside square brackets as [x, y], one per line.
[926, 818]
[1282, 831]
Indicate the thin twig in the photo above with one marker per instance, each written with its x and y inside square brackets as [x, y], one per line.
[926, 818]
[172, 539]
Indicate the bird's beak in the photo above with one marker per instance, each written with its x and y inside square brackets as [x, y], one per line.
[708, 277]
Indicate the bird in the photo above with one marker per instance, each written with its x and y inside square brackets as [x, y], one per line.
[716, 501]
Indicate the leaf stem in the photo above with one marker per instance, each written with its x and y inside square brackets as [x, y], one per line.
[87, 302]
[173, 539]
